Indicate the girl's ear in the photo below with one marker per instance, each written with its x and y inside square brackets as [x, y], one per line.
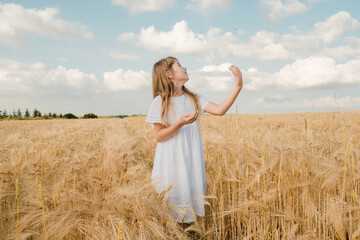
[169, 74]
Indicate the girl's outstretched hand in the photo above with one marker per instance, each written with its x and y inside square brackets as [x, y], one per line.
[189, 118]
[237, 75]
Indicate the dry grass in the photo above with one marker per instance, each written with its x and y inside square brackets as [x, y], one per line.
[289, 176]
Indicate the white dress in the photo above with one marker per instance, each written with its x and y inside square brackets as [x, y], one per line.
[179, 161]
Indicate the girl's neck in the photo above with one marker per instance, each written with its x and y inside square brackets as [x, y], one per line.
[178, 94]
[178, 91]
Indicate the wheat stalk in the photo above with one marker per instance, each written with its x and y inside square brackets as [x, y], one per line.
[120, 230]
[41, 195]
[17, 192]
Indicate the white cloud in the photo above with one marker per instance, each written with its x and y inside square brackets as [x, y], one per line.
[37, 77]
[124, 56]
[139, 6]
[26, 77]
[335, 26]
[126, 80]
[352, 48]
[224, 67]
[181, 39]
[214, 78]
[315, 42]
[17, 23]
[303, 73]
[208, 6]
[210, 82]
[306, 73]
[328, 102]
[277, 9]
[310, 72]
[263, 45]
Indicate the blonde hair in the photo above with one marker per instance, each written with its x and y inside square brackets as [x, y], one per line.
[165, 88]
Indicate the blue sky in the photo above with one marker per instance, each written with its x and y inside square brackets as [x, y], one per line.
[96, 56]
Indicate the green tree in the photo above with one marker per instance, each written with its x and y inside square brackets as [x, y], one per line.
[19, 113]
[90, 115]
[5, 113]
[69, 116]
[27, 113]
[35, 113]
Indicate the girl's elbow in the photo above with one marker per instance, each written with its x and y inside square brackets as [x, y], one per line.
[220, 113]
[217, 113]
[158, 139]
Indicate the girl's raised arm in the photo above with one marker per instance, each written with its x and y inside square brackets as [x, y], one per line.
[221, 109]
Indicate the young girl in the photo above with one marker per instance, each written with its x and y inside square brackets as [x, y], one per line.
[179, 158]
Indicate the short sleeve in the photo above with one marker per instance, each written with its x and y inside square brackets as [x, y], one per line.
[202, 102]
[154, 113]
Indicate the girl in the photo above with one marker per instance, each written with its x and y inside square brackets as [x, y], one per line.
[179, 158]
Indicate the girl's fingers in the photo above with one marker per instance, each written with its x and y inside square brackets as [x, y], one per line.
[190, 118]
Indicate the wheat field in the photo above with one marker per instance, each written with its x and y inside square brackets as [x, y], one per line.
[285, 176]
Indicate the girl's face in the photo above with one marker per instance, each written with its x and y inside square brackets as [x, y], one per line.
[178, 72]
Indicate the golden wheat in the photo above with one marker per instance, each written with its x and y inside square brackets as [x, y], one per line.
[268, 177]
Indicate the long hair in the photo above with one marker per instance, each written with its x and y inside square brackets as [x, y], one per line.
[165, 88]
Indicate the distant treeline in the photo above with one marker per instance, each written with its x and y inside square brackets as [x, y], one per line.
[36, 114]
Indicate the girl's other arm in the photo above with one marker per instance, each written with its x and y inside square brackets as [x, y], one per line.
[221, 109]
[163, 133]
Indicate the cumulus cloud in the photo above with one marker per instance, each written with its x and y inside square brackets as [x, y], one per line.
[178, 40]
[126, 80]
[208, 6]
[277, 9]
[215, 78]
[334, 26]
[302, 73]
[181, 39]
[139, 6]
[351, 48]
[17, 23]
[263, 45]
[224, 67]
[327, 102]
[307, 73]
[323, 34]
[37, 77]
[320, 41]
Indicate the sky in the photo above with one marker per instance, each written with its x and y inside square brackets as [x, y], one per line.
[97, 55]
